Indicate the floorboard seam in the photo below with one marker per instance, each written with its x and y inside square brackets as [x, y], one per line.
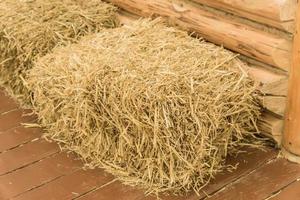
[28, 164]
[274, 194]
[17, 125]
[47, 182]
[21, 144]
[94, 189]
[9, 111]
[241, 177]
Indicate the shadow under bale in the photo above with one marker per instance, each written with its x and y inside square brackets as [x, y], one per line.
[30, 29]
[148, 103]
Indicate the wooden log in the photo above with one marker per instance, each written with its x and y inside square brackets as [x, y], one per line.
[274, 104]
[271, 126]
[270, 82]
[273, 86]
[278, 13]
[259, 45]
[291, 138]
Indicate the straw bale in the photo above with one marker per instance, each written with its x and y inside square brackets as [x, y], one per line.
[148, 103]
[31, 28]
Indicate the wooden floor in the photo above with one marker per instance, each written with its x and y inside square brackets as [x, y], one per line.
[34, 169]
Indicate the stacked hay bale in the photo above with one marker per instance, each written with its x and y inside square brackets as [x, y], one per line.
[147, 102]
[30, 29]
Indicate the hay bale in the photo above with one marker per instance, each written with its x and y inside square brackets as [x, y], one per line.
[147, 102]
[31, 28]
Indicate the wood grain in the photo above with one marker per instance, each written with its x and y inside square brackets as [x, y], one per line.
[6, 103]
[271, 126]
[69, 187]
[291, 138]
[291, 192]
[26, 154]
[254, 43]
[37, 174]
[15, 118]
[114, 190]
[18, 136]
[246, 162]
[278, 13]
[274, 104]
[262, 183]
[270, 82]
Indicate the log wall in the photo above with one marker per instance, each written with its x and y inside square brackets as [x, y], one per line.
[244, 39]
[267, 53]
[277, 13]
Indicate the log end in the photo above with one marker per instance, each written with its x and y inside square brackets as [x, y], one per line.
[288, 10]
[282, 53]
[275, 104]
[271, 127]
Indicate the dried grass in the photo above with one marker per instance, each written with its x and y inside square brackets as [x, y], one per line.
[31, 28]
[150, 104]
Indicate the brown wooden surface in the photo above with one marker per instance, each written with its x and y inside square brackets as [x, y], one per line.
[17, 136]
[262, 183]
[271, 126]
[26, 155]
[110, 191]
[257, 44]
[291, 138]
[275, 104]
[42, 172]
[247, 162]
[69, 187]
[14, 118]
[290, 192]
[6, 104]
[277, 13]
[34, 169]
[271, 83]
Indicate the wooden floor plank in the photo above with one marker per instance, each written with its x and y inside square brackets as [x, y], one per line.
[68, 187]
[114, 191]
[15, 118]
[291, 192]
[6, 103]
[26, 154]
[262, 183]
[247, 161]
[32, 176]
[17, 136]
